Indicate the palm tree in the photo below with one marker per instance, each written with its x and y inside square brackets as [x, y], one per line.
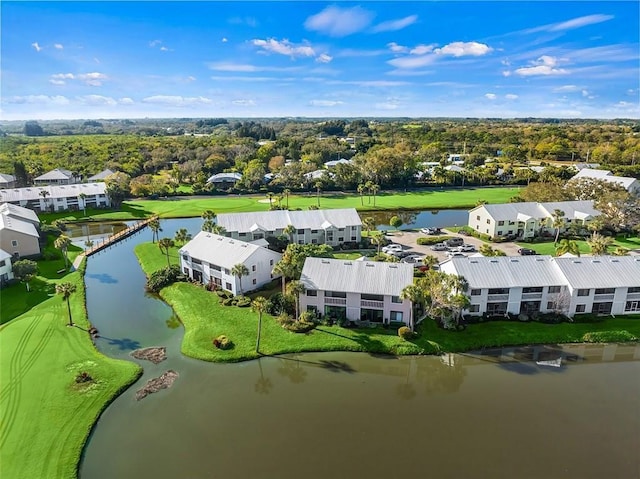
[239, 271]
[208, 225]
[374, 190]
[318, 185]
[259, 305]
[182, 236]
[218, 229]
[296, 288]
[270, 198]
[367, 186]
[361, 190]
[62, 243]
[558, 222]
[377, 239]
[208, 215]
[289, 230]
[287, 192]
[209, 220]
[599, 244]
[567, 246]
[369, 224]
[620, 251]
[83, 197]
[285, 270]
[430, 261]
[414, 294]
[154, 226]
[165, 244]
[65, 290]
[44, 194]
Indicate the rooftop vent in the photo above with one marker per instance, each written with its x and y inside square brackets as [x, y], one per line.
[513, 260]
[596, 261]
[473, 261]
[370, 265]
[393, 266]
[615, 260]
[576, 261]
[494, 261]
[324, 261]
[347, 263]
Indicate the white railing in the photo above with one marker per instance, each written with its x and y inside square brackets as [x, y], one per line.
[340, 301]
[598, 298]
[367, 303]
[633, 296]
[497, 297]
[531, 295]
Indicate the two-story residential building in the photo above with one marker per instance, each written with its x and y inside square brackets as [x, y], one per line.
[543, 284]
[356, 290]
[59, 176]
[632, 185]
[19, 235]
[6, 270]
[7, 181]
[332, 227]
[58, 198]
[210, 258]
[527, 220]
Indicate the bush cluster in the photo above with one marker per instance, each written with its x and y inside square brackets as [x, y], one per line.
[83, 377]
[431, 240]
[228, 299]
[222, 342]
[588, 318]
[405, 333]
[164, 277]
[618, 336]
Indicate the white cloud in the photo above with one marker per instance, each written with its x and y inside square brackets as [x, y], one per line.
[325, 103]
[58, 46]
[155, 43]
[224, 40]
[246, 68]
[176, 100]
[545, 65]
[395, 48]
[36, 46]
[97, 100]
[395, 25]
[56, 100]
[566, 88]
[387, 105]
[244, 102]
[463, 49]
[490, 96]
[368, 83]
[284, 47]
[324, 58]
[422, 49]
[92, 79]
[190, 79]
[126, 101]
[339, 22]
[631, 92]
[511, 96]
[413, 61]
[247, 78]
[164, 49]
[577, 22]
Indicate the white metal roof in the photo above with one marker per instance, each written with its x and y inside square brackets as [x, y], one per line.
[19, 212]
[101, 176]
[605, 175]
[224, 177]
[511, 211]
[13, 224]
[4, 178]
[57, 174]
[592, 173]
[368, 277]
[223, 251]
[601, 271]
[55, 191]
[279, 219]
[505, 271]
[4, 255]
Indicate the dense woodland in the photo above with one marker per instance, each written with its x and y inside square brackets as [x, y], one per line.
[178, 155]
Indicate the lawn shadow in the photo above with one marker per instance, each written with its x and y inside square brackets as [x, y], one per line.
[363, 339]
[16, 300]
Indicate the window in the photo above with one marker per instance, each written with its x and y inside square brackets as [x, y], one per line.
[488, 221]
[226, 271]
[554, 289]
[474, 308]
[185, 257]
[550, 305]
[253, 268]
[500, 223]
[196, 261]
[372, 297]
[300, 241]
[255, 281]
[583, 292]
[395, 316]
[312, 292]
[270, 262]
[2, 263]
[632, 306]
[314, 231]
[227, 286]
[341, 239]
[396, 299]
[314, 241]
[300, 232]
[186, 271]
[499, 232]
[14, 243]
[354, 238]
[476, 292]
[633, 290]
[498, 290]
[335, 294]
[214, 267]
[242, 235]
[312, 309]
[478, 217]
[580, 308]
[532, 290]
[510, 232]
[605, 291]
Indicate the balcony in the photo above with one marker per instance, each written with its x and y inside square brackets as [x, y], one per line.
[632, 296]
[528, 296]
[215, 273]
[603, 297]
[338, 301]
[498, 297]
[366, 303]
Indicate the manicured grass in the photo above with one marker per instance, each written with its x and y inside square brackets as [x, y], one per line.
[16, 300]
[550, 248]
[45, 417]
[205, 318]
[192, 207]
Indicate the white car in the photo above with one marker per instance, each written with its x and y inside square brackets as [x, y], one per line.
[456, 254]
[391, 248]
[439, 247]
[412, 259]
[465, 248]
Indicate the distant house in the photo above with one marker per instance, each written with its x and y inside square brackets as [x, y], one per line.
[543, 284]
[210, 258]
[527, 220]
[58, 198]
[316, 175]
[332, 227]
[59, 176]
[6, 268]
[334, 163]
[632, 185]
[100, 176]
[356, 290]
[7, 181]
[224, 180]
[19, 234]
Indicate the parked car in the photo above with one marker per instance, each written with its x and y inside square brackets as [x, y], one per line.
[412, 259]
[526, 252]
[454, 242]
[456, 254]
[464, 233]
[431, 231]
[399, 254]
[439, 247]
[466, 248]
[392, 247]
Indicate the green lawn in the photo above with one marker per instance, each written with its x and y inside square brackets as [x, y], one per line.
[192, 207]
[550, 248]
[45, 417]
[205, 318]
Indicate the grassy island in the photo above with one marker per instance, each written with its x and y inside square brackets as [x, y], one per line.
[205, 318]
[45, 415]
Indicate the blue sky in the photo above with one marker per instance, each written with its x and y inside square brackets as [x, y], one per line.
[261, 59]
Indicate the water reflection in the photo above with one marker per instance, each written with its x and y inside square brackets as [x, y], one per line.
[263, 385]
[103, 278]
[173, 322]
[124, 344]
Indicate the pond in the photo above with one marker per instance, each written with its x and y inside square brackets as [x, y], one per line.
[523, 412]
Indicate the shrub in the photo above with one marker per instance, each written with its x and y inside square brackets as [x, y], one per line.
[243, 301]
[227, 301]
[224, 294]
[405, 333]
[50, 229]
[307, 316]
[278, 304]
[617, 336]
[550, 318]
[222, 342]
[83, 377]
[588, 318]
[284, 319]
[430, 240]
[300, 326]
[60, 225]
[164, 277]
